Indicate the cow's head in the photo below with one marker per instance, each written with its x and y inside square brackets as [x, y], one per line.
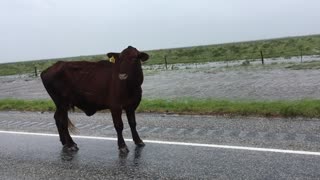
[129, 62]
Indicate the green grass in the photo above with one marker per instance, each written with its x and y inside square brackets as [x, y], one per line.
[26, 105]
[301, 108]
[282, 47]
[298, 108]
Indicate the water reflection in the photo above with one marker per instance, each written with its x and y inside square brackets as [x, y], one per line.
[68, 155]
[137, 155]
[132, 158]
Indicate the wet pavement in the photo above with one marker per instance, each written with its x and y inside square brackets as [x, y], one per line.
[40, 157]
[27, 156]
[295, 133]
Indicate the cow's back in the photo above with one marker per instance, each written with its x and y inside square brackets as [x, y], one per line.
[82, 84]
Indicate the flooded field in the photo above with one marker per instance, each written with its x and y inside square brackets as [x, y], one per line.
[254, 82]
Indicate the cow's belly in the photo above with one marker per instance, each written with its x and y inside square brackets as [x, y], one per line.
[91, 103]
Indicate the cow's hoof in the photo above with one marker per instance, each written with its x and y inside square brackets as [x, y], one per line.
[72, 148]
[140, 144]
[124, 150]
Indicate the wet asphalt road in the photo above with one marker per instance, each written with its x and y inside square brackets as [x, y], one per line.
[41, 157]
[296, 134]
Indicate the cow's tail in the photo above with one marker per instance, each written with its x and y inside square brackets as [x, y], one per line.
[72, 128]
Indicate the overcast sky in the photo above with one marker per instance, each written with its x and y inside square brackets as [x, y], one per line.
[38, 29]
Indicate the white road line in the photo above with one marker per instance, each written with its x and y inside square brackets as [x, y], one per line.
[284, 151]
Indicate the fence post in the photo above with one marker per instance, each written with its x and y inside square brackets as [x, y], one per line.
[165, 61]
[301, 55]
[196, 64]
[35, 71]
[262, 60]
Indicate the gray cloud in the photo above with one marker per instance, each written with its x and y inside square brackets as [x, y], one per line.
[37, 29]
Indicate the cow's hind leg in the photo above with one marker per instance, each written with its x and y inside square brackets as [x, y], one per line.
[118, 125]
[62, 120]
[57, 117]
[132, 122]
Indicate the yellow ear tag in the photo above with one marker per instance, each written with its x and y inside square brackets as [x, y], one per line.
[112, 59]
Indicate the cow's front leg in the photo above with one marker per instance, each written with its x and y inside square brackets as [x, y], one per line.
[132, 122]
[118, 125]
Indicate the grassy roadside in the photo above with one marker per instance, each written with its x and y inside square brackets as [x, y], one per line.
[299, 108]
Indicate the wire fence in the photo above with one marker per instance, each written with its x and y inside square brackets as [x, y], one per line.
[169, 59]
[262, 56]
[167, 66]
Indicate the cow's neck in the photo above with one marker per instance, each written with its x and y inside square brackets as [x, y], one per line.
[126, 91]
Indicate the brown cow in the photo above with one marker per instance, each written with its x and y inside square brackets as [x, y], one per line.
[94, 86]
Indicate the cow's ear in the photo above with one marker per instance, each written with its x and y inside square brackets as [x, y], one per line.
[115, 55]
[143, 56]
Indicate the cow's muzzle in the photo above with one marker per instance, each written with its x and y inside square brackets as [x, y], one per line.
[123, 76]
